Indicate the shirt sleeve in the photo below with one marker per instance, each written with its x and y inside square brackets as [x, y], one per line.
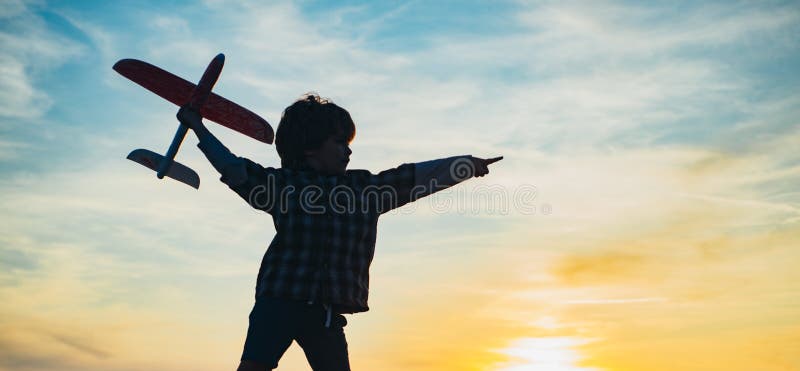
[257, 185]
[435, 175]
[390, 188]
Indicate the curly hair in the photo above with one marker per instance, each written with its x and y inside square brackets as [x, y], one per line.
[306, 124]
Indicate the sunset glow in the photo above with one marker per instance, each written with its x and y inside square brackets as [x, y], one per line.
[645, 217]
[545, 354]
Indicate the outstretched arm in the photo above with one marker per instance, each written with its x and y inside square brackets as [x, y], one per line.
[436, 175]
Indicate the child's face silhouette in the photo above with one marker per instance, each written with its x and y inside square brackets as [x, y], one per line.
[332, 157]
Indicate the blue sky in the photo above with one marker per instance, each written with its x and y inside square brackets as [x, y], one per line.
[82, 41]
[660, 136]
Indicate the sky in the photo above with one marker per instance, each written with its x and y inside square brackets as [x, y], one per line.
[645, 216]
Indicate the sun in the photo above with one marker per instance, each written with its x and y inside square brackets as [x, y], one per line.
[544, 354]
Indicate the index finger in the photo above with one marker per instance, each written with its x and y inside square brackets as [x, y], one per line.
[492, 160]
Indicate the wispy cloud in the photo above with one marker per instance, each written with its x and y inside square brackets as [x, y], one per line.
[617, 301]
[9, 150]
[102, 40]
[30, 48]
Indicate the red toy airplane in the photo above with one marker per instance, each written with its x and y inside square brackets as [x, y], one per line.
[199, 97]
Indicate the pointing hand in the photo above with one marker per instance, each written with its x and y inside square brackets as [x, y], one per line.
[482, 165]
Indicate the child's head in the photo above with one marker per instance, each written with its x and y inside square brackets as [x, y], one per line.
[315, 133]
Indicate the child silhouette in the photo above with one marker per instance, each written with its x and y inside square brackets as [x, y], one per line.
[317, 266]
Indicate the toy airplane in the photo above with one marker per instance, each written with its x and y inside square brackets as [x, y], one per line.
[199, 97]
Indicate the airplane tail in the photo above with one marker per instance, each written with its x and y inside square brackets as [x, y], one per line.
[177, 171]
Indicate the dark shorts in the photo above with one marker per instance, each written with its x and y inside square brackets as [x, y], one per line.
[274, 323]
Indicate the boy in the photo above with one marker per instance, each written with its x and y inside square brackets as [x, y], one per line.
[317, 266]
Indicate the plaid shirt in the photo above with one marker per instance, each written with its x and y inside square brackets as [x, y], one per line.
[325, 225]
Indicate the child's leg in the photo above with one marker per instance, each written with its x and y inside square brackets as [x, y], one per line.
[325, 347]
[273, 325]
[252, 366]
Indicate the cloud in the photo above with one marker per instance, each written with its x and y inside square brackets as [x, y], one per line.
[9, 149]
[80, 346]
[44, 345]
[21, 99]
[617, 301]
[14, 259]
[102, 40]
[602, 75]
[588, 104]
[12, 8]
[30, 48]
[599, 267]
[613, 29]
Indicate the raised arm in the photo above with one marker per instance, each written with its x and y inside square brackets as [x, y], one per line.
[254, 183]
[231, 168]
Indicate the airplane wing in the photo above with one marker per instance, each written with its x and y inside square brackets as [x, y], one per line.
[179, 91]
